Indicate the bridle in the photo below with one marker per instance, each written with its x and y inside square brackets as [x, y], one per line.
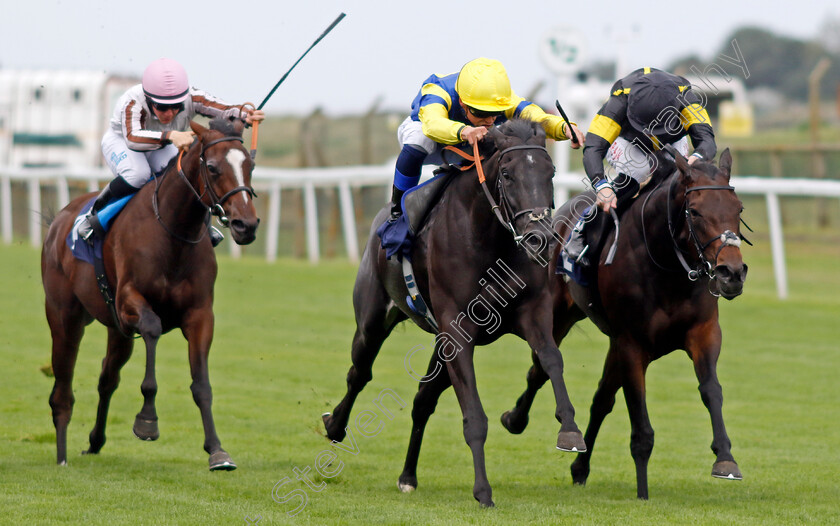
[503, 210]
[704, 266]
[216, 207]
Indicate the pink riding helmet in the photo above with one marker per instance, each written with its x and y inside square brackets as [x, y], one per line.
[165, 82]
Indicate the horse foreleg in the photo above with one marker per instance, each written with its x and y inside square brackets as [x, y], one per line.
[136, 314]
[119, 351]
[67, 328]
[198, 330]
[516, 420]
[602, 404]
[539, 337]
[462, 375]
[703, 346]
[434, 383]
[373, 325]
[635, 365]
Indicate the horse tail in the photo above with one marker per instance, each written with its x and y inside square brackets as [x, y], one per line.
[47, 217]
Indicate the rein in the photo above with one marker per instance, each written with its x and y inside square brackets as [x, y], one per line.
[215, 208]
[509, 217]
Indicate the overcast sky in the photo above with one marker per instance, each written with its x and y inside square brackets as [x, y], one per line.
[238, 50]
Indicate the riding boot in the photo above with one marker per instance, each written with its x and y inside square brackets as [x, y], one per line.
[396, 207]
[576, 247]
[90, 225]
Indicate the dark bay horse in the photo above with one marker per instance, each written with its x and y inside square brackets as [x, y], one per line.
[678, 252]
[461, 250]
[162, 269]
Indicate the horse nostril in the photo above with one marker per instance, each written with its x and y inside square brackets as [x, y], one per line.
[727, 273]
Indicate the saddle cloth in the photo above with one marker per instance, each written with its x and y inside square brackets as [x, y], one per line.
[397, 235]
[81, 249]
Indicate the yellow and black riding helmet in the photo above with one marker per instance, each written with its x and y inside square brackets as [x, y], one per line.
[648, 96]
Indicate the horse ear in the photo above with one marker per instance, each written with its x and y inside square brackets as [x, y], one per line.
[198, 128]
[682, 162]
[725, 163]
[491, 139]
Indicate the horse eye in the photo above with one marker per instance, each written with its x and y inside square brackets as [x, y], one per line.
[694, 213]
[505, 173]
[213, 169]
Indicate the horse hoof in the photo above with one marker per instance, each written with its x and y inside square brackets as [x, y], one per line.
[514, 426]
[488, 504]
[406, 488]
[727, 469]
[571, 441]
[146, 429]
[221, 461]
[335, 437]
[579, 474]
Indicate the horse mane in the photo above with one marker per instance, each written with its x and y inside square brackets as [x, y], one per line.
[230, 126]
[521, 128]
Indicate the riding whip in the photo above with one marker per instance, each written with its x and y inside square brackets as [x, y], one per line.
[270, 93]
[572, 137]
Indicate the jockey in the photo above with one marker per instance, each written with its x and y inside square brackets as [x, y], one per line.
[461, 107]
[150, 124]
[647, 109]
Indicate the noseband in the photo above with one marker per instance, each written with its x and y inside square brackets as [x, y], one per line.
[216, 207]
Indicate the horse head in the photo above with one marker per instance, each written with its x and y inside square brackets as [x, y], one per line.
[713, 219]
[523, 177]
[226, 175]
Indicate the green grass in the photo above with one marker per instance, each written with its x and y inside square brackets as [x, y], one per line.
[279, 358]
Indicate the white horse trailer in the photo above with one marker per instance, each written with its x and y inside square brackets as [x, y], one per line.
[56, 118]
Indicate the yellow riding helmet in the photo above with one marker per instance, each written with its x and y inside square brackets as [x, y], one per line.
[483, 84]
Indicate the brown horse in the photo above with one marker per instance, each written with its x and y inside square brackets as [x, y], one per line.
[162, 267]
[651, 301]
[479, 282]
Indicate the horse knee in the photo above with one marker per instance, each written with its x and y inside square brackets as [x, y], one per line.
[475, 429]
[201, 393]
[641, 444]
[61, 404]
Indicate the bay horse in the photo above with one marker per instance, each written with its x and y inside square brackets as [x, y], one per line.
[162, 267]
[461, 243]
[650, 301]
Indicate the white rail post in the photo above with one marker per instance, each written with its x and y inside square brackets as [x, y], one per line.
[62, 192]
[34, 186]
[774, 218]
[273, 235]
[6, 208]
[311, 213]
[348, 220]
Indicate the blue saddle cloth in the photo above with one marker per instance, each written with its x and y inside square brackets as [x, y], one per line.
[80, 248]
[577, 273]
[397, 236]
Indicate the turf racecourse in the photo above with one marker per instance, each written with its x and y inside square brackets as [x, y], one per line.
[279, 358]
